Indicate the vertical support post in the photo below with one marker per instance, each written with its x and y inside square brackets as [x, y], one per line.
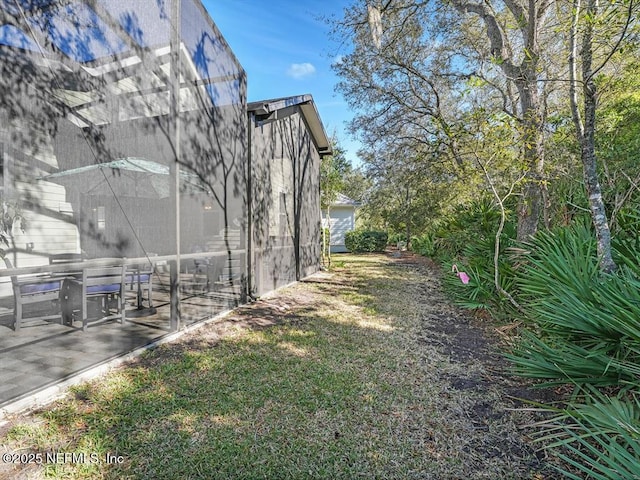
[174, 114]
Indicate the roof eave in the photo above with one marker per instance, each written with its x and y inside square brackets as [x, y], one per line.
[309, 112]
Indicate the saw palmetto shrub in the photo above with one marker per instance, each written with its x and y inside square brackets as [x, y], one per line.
[598, 438]
[467, 225]
[584, 326]
[477, 261]
[469, 242]
[583, 329]
[424, 244]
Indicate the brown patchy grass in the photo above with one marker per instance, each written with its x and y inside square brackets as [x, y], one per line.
[363, 372]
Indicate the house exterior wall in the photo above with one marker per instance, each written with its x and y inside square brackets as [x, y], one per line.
[46, 223]
[285, 170]
[47, 226]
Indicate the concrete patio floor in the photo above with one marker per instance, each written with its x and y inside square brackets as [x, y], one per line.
[44, 354]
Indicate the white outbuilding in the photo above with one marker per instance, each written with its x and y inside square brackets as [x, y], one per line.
[341, 219]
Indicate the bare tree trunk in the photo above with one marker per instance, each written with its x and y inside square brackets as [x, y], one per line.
[408, 236]
[329, 239]
[532, 202]
[585, 131]
[324, 242]
[525, 77]
[408, 220]
[530, 207]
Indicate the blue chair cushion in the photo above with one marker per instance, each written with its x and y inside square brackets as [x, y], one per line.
[34, 288]
[97, 289]
[144, 278]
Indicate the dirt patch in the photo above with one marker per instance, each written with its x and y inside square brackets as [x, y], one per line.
[458, 338]
[477, 372]
[466, 337]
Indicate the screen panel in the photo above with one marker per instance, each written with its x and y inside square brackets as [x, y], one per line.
[111, 159]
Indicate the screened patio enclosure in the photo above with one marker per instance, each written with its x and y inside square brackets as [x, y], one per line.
[140, 193]
[123, 140]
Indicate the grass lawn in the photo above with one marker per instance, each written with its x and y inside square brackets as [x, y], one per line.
[364, 372]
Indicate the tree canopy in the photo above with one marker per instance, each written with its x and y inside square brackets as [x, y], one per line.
[456, 97]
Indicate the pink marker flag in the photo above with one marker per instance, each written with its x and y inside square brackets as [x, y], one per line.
[464, 278]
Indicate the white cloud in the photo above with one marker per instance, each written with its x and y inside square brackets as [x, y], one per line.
[301, 70]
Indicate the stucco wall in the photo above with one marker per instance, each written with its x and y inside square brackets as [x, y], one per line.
[285, 203]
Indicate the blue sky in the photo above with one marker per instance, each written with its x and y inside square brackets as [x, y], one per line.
[285, 49]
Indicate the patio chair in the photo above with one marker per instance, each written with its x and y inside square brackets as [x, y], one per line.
[30, 289]
[103, 284]
[141, 278]
[194, 280]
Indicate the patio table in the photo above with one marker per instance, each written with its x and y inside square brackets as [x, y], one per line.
[71, 287]
[98, 286]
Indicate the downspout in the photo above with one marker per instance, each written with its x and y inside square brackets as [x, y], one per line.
[249, 242]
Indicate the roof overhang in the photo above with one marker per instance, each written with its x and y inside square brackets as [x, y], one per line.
[343, 201]
[99, 49]
[266, 108]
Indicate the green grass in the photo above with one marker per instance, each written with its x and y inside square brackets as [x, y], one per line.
[340, 388]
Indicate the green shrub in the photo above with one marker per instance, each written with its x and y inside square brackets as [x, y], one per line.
[585, 323]
[583, 329]
[424, 245]
[469, 240]
[626, 242]
[598, 438]
[394, 238]
[358, 241]
[467, 225]
[475, 295]
[480, 292]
